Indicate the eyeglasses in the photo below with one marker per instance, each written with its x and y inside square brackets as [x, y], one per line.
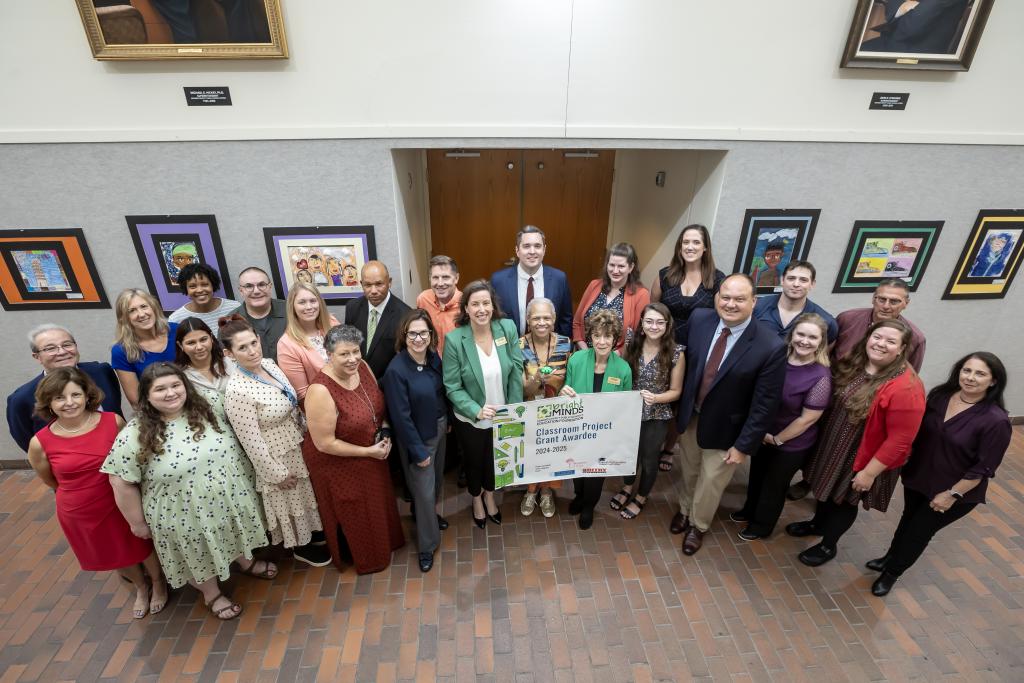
[892, 301]
[654, 322]
[418, 335]
[258, 285]
[53, 349]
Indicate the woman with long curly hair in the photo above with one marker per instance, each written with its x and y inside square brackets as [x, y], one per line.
[181, 478]
[877, 406]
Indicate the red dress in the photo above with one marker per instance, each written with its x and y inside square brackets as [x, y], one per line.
[355, 494]
[96, 530]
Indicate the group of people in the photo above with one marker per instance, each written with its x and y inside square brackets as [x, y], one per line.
[268, 420]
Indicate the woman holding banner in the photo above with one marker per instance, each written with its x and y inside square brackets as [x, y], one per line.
[596, 369]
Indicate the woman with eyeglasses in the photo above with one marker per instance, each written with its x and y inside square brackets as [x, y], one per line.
[414, 391]
[265, 314]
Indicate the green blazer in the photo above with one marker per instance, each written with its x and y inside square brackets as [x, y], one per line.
[463, 378]
[580, 374]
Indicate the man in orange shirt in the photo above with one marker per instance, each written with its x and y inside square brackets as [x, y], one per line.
[441, 301]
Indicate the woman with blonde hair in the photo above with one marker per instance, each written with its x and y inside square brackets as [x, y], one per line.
[143, 337]
[300, 351]
[791, 440]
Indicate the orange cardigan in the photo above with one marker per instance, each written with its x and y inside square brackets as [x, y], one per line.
[892, 423]
[632, 307]
[299, 363]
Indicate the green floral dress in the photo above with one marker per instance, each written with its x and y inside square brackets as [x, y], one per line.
[198, 498]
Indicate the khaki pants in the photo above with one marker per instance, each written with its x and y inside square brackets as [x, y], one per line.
[704, 478]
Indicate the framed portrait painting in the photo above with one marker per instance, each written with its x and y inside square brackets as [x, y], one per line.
[328, 257]
[991, 256]
[915, 34]
[881, 250]
[166, 244]
[769, 240]
[48, 269]
[179, 29]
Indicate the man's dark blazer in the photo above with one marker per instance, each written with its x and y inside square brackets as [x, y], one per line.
[739, 409]
[556, 288]
[929, 28]
[382, 349]
[21, 418]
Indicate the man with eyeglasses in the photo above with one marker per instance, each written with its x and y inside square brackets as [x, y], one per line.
[54, 347]
[890, 298]
[263, 312]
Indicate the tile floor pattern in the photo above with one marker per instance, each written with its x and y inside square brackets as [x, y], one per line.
[538, 600]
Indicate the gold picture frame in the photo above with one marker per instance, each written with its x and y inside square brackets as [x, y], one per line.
[184, 29]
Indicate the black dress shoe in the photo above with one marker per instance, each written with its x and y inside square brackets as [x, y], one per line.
[496, 517]
[878, 564]
[426, 561]
[816, 555]
[739, 516]
[883, 584]
[801, 529]
[576, 506]
[442, 523]
[586, 519]
[748, 535]
[679, 523]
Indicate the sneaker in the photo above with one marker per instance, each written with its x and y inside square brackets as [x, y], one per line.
[314, 555]
[739, 516]
[547, 504]
[748, 535]
[529, 504]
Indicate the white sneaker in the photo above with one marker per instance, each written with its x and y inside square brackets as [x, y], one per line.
[547, 504]
[529, 504]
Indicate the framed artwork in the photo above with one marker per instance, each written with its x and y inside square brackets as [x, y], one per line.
[991, 256]
[328, 257]
[880, 250]
[198, 29]
[770, 239]
[48, 269]
[166, 244]
[940, 35]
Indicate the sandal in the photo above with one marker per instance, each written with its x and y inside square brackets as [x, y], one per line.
[227, 613]
[141, 612]
[620, 499]
[268, 572]
[157, 606]
[666, 461]
[629, 514]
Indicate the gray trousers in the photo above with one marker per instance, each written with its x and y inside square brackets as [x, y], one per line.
[425, 486]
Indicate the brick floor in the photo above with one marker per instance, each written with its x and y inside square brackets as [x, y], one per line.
[538, 600]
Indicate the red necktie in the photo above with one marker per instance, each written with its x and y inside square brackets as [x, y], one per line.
[529, 294]
[711, 369]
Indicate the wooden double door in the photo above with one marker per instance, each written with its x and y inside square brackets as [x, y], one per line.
[480, 199]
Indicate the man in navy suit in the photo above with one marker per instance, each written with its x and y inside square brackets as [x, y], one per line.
[517, 285]
[55, 347]
[735, 368]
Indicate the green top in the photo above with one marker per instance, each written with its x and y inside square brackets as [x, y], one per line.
[580, 375]
[463, 377]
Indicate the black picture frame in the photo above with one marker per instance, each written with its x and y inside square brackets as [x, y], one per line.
[355, 244]
[973, 278]
[67, 255]
[882, 250]
[793, 228]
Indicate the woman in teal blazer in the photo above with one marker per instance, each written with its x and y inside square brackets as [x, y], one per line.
[596, 369]
[483, 369]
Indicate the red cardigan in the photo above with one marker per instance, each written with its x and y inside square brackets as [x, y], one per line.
[893, 420]
[632, 307]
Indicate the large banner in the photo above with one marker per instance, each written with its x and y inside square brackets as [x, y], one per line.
[591, 435]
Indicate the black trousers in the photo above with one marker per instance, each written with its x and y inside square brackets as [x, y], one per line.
[588, 490]
[916, 528]
[478, 457]
[771, 470]
[652, 437]
[833, 520]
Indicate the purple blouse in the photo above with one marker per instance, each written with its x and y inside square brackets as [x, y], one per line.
[807, 386]
[968, 446]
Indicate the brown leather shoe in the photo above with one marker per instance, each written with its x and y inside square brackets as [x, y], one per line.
[693, 541]
[680, 523]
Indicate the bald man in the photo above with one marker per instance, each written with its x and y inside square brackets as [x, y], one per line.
[376, 314]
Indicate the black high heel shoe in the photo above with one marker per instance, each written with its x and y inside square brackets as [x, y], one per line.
[480, 522]
[496, 517]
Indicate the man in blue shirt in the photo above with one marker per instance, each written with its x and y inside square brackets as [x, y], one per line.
[54, 347]
[778, 311]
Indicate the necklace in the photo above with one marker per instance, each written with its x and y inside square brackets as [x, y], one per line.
[84, 424]
[545, 369]
[960, 397]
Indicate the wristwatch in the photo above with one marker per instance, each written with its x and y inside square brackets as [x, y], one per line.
[956, 494]
[777, 442]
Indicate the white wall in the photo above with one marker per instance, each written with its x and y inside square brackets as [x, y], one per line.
[666, 69]
[413, 219]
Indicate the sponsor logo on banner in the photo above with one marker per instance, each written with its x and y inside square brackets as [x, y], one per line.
[564, 473]
[595, 470]
[563, 409]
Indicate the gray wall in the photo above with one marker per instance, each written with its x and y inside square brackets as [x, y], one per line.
[252, 184]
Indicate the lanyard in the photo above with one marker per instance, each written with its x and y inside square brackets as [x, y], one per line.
[284, 389]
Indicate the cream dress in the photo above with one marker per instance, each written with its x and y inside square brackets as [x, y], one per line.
[267, 425]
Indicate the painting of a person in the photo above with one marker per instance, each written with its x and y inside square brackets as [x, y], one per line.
[918, 26]
[769, 277]
[351, 276]
[991, 260]
[316, 267]
[183, 254]
[334, 271]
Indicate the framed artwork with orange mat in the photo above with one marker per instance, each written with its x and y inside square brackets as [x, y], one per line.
[48, 269]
